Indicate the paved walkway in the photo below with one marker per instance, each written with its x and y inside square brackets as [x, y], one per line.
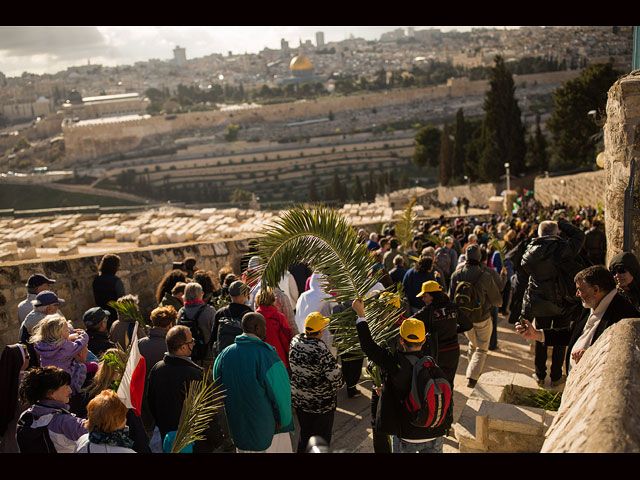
[352, 424]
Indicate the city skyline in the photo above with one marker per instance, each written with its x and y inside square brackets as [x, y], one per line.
[51, 49]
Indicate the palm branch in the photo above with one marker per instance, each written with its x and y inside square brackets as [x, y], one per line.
[320, 237]
[435, 239]
[128, 309]
[499, 246]
[201, 402]
[404, 227]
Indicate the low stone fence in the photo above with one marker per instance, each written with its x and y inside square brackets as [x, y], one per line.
[141, 270]
[600, 409]
[580, 189]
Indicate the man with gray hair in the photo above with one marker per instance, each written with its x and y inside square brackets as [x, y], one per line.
[198, 316]
[37, 283]
[551, 260]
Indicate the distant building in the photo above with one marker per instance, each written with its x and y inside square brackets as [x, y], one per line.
[284, 45]
[179, 55]
[319, 39]
[82, 108]
[301, 71]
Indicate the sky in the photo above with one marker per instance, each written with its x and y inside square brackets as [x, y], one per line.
[51, 49]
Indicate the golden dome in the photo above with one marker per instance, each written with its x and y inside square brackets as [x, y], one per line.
[300, 62]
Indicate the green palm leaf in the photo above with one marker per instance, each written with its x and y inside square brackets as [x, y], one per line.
[499, 246]
[128, 309]
[404, 227]
[201, 402]
[323, 239]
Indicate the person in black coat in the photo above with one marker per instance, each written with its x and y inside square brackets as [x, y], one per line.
[626, 272]
[107, 286]
[552, 260]
[391, 416]
[168, 382]
[603, 307]
[443, 321]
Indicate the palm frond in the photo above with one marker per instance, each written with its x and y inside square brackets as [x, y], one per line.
[128, 309]
[323, 239]
[437, 240]
[201, 402]
[118, 363]
[404, 227]
[499, 246]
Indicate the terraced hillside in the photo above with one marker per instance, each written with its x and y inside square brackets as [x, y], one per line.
[273, 175]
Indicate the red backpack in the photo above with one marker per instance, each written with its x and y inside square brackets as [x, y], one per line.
[430, 396]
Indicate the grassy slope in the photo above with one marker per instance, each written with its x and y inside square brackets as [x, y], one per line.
[28, 197]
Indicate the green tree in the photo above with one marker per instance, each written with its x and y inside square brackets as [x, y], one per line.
[240, 196]
[404, 180]
[427, 148]
[459, 146]
[446, 156]
[338, 190]
[358, 192]
[573, 132]
[313, 192]
[537, 156]
[503, 138]
[232, 133]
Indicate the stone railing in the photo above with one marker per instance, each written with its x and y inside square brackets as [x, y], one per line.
[600, 409]
[141, 271]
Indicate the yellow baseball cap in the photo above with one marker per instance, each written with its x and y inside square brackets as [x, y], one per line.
[430, 286]
[412, 330]
[315, 322]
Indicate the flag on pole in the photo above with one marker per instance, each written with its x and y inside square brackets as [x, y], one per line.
[131, 386]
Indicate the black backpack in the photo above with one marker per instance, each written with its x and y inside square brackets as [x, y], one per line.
[200, 347]
[34, 439]
[430, 398]
[443, 261]
[229, 327]
[466, 296]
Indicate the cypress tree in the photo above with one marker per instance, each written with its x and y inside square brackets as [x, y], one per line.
[503, 138]
[446, 156]
[458, 170]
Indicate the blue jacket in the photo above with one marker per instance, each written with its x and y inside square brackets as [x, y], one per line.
[257, 392]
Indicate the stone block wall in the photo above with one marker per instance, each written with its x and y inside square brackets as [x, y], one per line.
[600, 409]
[478, 194]
[141, 270]
[622, 143]
[576, 190]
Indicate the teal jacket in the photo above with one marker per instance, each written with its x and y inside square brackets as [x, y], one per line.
[257, 392]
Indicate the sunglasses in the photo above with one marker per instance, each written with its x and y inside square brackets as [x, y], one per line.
[619, 269]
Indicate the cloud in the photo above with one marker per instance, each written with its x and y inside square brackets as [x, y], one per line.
[58, 42]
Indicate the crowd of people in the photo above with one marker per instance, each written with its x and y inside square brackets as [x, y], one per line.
[271, 348]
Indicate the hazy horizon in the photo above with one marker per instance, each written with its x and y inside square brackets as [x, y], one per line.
[51, 49]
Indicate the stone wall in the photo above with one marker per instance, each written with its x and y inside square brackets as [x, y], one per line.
[622, 143]
[141, 270]
[600, 409]
[91, 142]
[478, 194]
[576, 190]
